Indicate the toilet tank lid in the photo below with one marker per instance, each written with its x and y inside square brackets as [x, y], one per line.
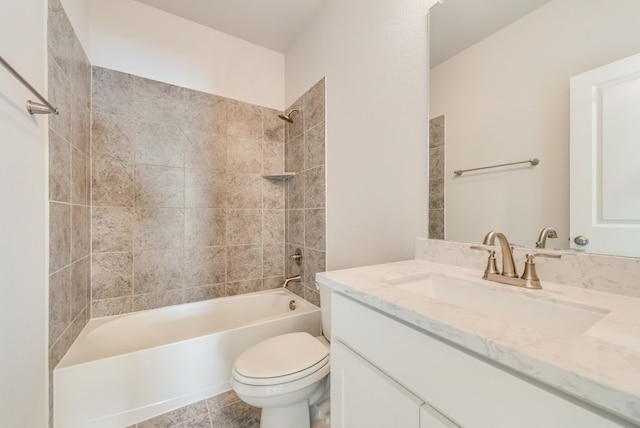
[281, 356]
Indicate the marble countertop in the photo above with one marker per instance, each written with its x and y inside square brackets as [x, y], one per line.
[600, 366]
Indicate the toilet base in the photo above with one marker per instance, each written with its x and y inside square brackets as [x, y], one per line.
[294, 416]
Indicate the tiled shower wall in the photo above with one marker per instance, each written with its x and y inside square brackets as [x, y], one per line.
[436, 178]
[305, 193]
[69, 177]
[180, 210]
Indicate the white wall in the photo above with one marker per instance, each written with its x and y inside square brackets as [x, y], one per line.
[134, 38]
[507, 99]
[23, 234]
[374, 57]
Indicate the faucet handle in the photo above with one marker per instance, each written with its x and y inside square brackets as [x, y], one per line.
[530, 275]
[492, 265]
[545, 255]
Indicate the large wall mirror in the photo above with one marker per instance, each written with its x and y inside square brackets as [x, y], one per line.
[499, 93]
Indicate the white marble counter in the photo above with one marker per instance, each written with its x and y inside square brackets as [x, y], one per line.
[601, 366]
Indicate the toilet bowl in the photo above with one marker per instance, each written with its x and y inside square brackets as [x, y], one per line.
[286, 374]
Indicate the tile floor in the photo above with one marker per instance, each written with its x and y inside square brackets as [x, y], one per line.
[221, 411]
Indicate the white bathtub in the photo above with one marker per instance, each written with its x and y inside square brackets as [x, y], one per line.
[128, 368]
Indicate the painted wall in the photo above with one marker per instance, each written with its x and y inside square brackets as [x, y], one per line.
[23, 235]
[507, 99]
[374, 57]
[134, 38]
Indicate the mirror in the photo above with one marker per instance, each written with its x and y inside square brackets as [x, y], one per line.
[499, 93]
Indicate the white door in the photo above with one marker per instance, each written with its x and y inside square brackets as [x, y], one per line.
[363, 396]
[605, 159]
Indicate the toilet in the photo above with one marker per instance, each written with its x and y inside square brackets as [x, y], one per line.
[287, 375]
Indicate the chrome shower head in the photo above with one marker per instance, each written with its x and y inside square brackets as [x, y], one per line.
[287, 116]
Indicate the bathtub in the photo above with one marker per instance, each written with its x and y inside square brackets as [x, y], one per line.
[128, 368]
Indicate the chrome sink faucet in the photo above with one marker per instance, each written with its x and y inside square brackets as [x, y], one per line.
[509, 274]
[508, 265]
[547, 232]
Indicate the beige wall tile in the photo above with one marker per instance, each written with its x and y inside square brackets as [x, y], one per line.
[295, 227]
[314, 262]
[111, 92]
[244, 191]
[155, 101]
[59, 235]
[243, 287]
[314, 146]
[112, 229]
[204, 227]
[113, 137]
[111, 275]
[244, 262]
[273, 226]
[273, 157]
[314, 229]
[108, 307]
[60, 96]
[159, 186]
[156, 271]
[80, 286]
[205, 188]
[273, 125]
[295, 192]
[142, 302]
[158, 228]
[205, 112]
[244, 155]
[205, 266]
[314, 188]
[59, 303]
[80, 178]
[112, 183]
[244, 227]
[59, 168]
[204, 150]
[159, 144]
[244, 120]
[80, 232]
[273, 260]
[294, 155]
[273, 192]
[197, 294]
[314, 105]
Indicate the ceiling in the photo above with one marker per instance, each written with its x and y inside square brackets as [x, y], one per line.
[458, 24]
[273, 24]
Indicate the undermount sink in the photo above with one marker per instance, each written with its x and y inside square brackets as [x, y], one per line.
[515, 307]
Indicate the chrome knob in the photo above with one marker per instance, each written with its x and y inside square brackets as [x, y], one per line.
[581, 240]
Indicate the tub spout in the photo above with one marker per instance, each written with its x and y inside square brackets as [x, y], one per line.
[292, 278]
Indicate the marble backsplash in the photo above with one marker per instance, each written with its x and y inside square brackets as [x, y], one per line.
[611, 274]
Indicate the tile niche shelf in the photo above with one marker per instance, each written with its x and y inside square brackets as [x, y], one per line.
[279, 176]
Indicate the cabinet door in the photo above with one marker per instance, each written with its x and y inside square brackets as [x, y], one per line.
[363, 396]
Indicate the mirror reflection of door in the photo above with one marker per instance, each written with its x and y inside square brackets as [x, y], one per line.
[605, 156]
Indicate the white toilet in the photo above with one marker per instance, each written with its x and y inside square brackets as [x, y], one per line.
[286, 375]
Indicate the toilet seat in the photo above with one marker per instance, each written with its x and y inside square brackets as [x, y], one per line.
[281, 359]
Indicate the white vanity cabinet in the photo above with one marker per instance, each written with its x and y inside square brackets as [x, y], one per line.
[386, 373]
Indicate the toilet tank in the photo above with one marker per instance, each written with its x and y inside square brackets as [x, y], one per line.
[325, 310]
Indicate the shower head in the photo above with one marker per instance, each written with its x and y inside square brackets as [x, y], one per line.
[287, 116]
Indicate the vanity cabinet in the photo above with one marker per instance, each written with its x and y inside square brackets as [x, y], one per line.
[386, 373]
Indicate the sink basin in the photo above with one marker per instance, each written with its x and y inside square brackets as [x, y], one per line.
[515, 307]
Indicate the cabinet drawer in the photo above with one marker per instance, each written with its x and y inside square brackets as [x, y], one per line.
[469, 391]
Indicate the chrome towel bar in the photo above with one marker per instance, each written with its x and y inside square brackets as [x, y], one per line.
[534, 161]
[32, 107]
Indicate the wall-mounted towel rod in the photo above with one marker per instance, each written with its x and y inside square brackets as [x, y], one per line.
[534, 161]
[32, 107]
